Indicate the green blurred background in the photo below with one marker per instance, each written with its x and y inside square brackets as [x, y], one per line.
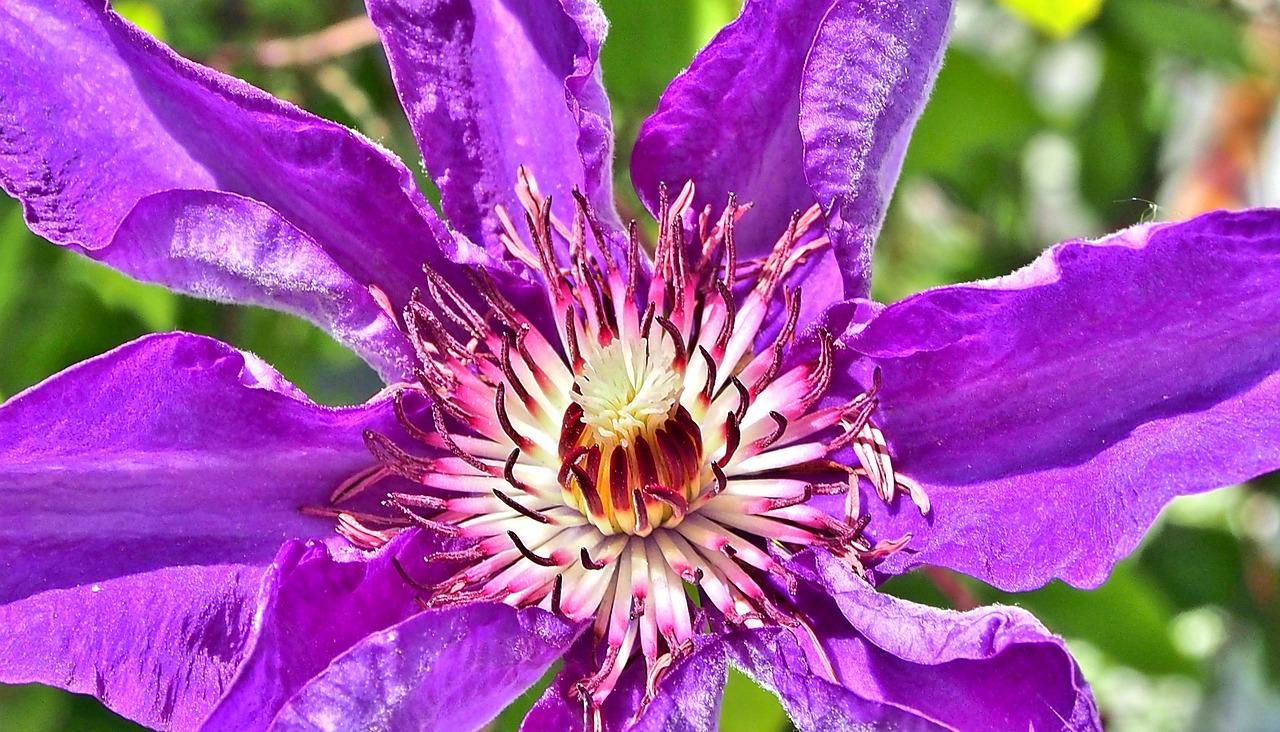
[1052, 119]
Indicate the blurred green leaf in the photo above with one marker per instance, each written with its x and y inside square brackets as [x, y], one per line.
[143, 14]
[749, 708]
[1196, 31]
[975, 112]
[155, 307]
[1057, 18]
[511, 717]
[1117, 149]
[1127, 617]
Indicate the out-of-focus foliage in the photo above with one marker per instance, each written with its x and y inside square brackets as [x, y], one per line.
[1052, 119]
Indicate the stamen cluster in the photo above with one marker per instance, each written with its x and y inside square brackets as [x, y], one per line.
[599, 470]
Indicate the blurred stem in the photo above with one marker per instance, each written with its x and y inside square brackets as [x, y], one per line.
[952, 588]
[337, 83]
[335, 41]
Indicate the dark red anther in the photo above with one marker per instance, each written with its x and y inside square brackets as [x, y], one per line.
[682, 355]
[619, 477]
[770, 373]
[452, 446]
[732, 436]
[566, 462]
[557, 590]
[587, 486]
[509, 371]
[710, 384]
[402, 417]
[825, 367]
[641, 511]
[588, 212]
[394, 458]
[780, 428]
[730, 243]
[722, 482]
[453, 305]
[571, 429]
[509, 473]
[646, 320]
[792, 299]
[633, 257]
[780, 503]
[528, 553]
[730, 315]
[499, 305]
[504, 419]
[438, 527]
[588, 562]
[415, 500]
[404, 575]
[515, 505]
[744, 399]
[646, 466]
[571, 338]
[671, 496]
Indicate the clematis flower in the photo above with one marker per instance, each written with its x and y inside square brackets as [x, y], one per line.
[648, 466]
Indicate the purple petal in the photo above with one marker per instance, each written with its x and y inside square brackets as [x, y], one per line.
[489, 86]
[866, 81]
[1050, 414]
[225, 247]
[796, 103]
[146, 490]
[96, 116]
[446, 670]
[315, 608]
[730, 122]
[775, 660]
[688, 697]
[172, 450]
[157, 647]
[989, 668]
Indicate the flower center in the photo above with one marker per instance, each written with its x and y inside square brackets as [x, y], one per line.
[633, 453]
[627, 389]
[616, 463]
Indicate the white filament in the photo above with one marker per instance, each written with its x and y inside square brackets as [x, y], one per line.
[627, 388]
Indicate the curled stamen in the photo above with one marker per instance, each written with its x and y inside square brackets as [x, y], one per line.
[588, 562]
[520, 508]
[780, 428]
[731, 312]
[504, 419]
[452, 446]
[395, 459]
[528, 554]
[710, 383]
[408, 580]
[733, 435]
[681, 357]
[744, 399]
